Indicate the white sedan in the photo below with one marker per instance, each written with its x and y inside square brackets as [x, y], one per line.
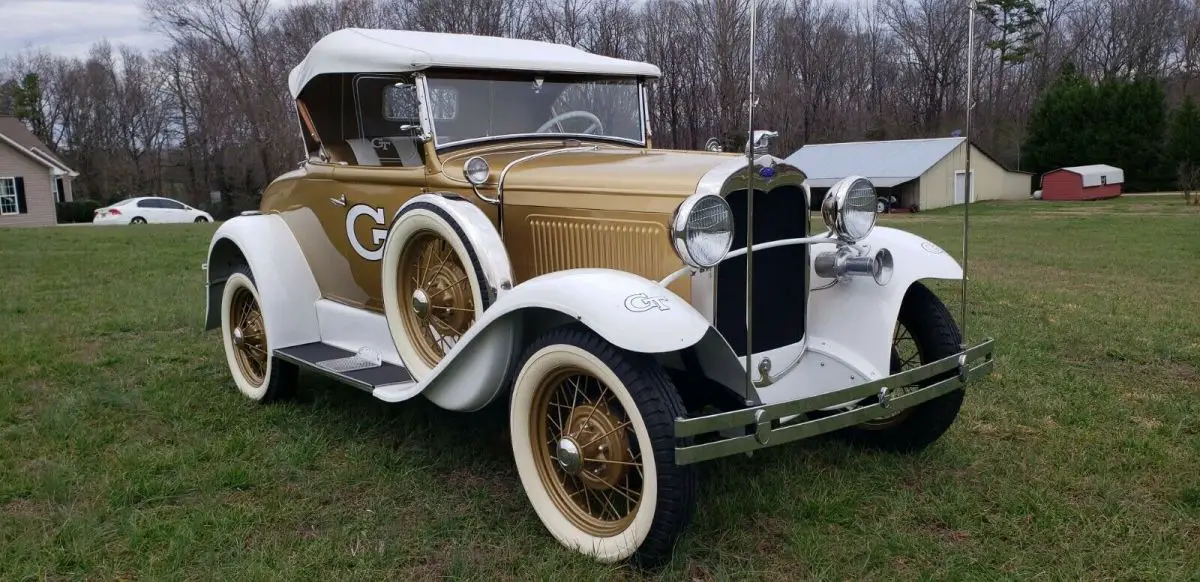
[149, 209]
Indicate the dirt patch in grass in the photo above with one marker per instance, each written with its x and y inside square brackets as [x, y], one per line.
[28, 509]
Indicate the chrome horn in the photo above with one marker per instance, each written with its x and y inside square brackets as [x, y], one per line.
[847, 262]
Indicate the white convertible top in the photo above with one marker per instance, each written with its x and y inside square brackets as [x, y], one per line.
[360, 50]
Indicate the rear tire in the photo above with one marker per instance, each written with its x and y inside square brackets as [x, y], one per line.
[579, 398]
[258, 375]
[935, 334]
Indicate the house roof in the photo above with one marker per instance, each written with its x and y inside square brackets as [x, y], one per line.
[14, 133]
[885, 163]
[359, 50]
[1098, 174]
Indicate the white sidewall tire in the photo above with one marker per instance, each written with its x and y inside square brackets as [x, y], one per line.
[239, 281]
[410, 223]
[605, 549]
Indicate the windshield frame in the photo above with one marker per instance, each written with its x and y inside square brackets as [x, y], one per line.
[429, 127]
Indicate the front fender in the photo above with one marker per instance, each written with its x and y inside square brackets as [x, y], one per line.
[857, 314]
[280, 271]
[629, 311]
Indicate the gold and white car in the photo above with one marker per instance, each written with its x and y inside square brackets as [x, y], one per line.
[482, 219]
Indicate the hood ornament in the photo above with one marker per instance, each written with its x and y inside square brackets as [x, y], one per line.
[760, 141]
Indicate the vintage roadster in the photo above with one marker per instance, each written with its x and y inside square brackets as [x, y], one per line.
[483, 219]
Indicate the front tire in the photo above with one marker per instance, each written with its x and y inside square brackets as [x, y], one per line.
[257, 374]
[925, 332]
[592, 429]
[137, 220]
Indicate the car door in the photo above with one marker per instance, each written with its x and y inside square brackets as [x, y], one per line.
[147, 209]
[173, 211]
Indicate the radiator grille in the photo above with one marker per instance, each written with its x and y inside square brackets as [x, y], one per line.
[780, 274]
[574, 242]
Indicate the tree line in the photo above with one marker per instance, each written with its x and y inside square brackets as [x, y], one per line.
[210, 111]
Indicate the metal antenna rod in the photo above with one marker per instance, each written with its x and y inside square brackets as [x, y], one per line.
[971, 6]
[750, 213]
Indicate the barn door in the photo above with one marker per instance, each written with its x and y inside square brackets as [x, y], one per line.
[960, 187]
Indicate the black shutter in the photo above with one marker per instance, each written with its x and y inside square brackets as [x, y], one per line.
[22, 208]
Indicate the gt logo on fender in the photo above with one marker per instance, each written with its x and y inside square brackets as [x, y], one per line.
[378, 235]
[640, 302]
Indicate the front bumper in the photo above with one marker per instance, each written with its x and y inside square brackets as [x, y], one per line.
[761, 426]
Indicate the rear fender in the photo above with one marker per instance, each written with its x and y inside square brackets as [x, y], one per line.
[280, 271]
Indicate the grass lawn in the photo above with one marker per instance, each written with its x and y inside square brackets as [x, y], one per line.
[127, 452]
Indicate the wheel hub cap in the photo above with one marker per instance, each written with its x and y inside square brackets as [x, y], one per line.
[239, 337]
[569, 456]
[420, 303]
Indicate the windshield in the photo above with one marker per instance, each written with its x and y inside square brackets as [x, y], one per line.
[468, 108]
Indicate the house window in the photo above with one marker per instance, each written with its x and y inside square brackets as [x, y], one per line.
[56, 186]
[8, 196]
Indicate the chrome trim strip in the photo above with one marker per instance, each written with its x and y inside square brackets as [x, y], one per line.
[550, 136]
[761, 418]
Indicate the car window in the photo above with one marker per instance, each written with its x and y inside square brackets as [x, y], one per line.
[170, 204]
[148, 204]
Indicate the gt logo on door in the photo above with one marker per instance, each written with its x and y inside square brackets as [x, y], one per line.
[639, 302]
[378, 235]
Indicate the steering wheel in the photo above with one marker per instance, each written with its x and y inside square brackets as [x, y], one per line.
[557, 119]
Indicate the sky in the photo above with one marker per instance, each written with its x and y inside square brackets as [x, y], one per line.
[70, 27]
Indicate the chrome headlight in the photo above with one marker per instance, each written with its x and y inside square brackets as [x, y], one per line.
[702, 230]
[849, 208]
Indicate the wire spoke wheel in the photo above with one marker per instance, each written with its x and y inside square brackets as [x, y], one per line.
[587, 454]
[906, 355]
[249, 336]
[434, 282]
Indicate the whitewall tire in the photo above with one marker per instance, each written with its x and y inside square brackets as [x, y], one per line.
[257, 375]
[429, 304]
[592, 430]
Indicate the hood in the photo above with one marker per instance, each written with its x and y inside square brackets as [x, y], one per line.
[608, 169]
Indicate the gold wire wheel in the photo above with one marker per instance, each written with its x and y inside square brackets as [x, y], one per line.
[905, 356]
[435, 284]
[249, 336]
[586, 452]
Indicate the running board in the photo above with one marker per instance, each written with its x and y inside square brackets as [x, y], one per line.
[363, 370]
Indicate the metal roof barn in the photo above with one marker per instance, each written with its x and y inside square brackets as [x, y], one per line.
[1092, 182]
[918, 173]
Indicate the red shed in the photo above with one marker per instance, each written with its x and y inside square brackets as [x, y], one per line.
[1082, 183]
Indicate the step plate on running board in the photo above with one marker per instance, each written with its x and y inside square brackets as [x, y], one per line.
[345, 366]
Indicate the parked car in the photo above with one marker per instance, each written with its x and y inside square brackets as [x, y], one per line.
[149, 209]
[486, 220]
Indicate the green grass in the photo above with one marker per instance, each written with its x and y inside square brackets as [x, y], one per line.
[128, 453]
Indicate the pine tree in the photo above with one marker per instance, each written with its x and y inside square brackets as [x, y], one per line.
[27, 105]
[1183, 147]
[1016, 21]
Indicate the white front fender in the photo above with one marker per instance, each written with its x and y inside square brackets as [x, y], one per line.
[629, 311]
[859, 315]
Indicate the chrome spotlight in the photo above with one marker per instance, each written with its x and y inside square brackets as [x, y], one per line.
[845, 262]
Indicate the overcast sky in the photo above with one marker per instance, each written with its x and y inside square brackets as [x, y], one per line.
[70, 27]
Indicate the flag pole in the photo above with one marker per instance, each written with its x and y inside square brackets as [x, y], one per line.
[750, 212]
[971, 7]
